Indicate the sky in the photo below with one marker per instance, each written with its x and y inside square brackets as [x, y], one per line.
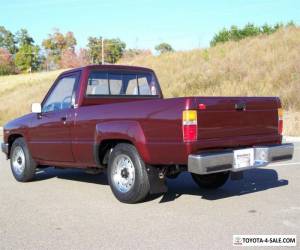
[185, 24]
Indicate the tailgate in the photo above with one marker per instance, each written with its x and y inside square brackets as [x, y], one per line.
[237, 116]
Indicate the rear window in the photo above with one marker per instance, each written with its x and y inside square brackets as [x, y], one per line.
[144, 85]
[125, 84]
[98, 85]
[130, 84]
[115, 84]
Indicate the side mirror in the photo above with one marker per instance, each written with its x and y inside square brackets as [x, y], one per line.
[36, 108]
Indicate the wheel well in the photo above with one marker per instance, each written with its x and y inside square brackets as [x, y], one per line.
[11, 140]
[104, 148]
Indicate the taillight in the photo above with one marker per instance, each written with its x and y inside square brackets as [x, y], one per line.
[280, 121]
[189, 125]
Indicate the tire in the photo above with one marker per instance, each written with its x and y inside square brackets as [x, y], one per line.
[22, 165]
[127, 174]
[211, 181]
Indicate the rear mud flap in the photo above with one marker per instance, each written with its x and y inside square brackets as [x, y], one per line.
[157, 181]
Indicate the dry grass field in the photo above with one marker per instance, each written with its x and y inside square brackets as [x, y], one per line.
[260, 66]
[17, 92]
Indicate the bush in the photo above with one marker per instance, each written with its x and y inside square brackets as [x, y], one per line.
[27, 58]
[6, 62]
[164, 48]
[236, 34]
[69, 59]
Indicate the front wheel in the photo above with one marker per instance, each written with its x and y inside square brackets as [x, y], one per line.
[127, 174]
[211, 181]
[22, 165]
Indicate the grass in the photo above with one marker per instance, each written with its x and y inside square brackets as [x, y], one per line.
[17, 92]
[291, 123]
[267, 65]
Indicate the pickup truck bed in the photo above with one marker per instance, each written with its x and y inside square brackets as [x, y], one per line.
[115, 117]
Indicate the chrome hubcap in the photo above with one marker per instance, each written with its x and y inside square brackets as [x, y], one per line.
[123, 173]
[18, 160]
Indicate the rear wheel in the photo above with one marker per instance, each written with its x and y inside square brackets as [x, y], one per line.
[127, 174]
[22, 165]
[211, 181]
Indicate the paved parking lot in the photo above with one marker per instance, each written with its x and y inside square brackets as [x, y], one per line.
[69, 209]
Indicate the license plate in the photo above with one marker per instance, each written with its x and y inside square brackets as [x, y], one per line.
[243, 158]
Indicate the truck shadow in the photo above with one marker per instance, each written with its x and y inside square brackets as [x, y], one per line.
[254, 180]
[70, 174]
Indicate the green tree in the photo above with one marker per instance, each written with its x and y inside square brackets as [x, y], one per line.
[57, 43]
[23, 38]
[94, 49]
[249, 30]
[113, 49]
[221, 37]
[27, 58]
[291, 24]
[267, 29]
[164, 48]
[7, 40]
[235, 33]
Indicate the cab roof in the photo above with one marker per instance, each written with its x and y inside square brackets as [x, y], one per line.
[108, 67]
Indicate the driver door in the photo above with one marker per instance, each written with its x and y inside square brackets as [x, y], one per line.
[50, 132]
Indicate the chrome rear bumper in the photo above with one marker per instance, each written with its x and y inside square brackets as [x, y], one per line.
[213, 162]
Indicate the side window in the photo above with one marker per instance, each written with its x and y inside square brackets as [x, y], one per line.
[98, 84]
[61, 96]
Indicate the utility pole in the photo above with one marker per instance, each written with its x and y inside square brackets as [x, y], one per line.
[102, 50]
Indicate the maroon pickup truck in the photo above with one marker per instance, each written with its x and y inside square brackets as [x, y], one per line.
[114, 118]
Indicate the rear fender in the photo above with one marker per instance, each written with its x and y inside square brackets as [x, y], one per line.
[123, 130]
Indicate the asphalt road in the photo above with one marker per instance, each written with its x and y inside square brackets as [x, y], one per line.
[69, 209]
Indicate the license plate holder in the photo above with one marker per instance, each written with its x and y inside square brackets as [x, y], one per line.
[243, 158]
